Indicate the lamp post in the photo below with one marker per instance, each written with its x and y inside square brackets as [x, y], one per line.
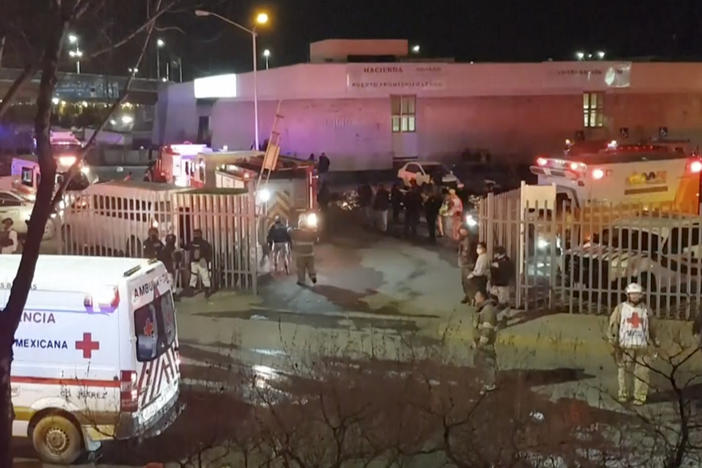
[261, 19]
[77, 53]
[266, 55]
[159, 44]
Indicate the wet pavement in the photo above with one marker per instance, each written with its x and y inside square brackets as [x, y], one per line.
[384, 317]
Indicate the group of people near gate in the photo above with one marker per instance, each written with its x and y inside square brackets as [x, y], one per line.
[382, 209]
[486, 285]
[197, 254]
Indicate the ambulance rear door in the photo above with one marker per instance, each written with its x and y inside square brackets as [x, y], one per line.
[152, 312]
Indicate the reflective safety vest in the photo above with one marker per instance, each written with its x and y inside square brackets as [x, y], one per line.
[303, 242]
[633, 326]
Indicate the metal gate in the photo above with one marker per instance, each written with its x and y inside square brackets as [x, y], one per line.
[580, 258]
[116, 225]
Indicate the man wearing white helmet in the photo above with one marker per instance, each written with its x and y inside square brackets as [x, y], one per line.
[631, 334]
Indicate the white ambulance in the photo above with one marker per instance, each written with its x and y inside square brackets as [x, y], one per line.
[95, 354]
[649, 174]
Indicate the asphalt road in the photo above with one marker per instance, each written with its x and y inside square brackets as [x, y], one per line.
[383, 303]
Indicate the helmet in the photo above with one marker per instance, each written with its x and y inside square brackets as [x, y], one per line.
[634, 288]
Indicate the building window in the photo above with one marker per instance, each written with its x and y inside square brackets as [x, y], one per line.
[593, 110]
[403, 114]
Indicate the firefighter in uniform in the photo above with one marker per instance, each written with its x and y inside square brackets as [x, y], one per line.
[632, 336]
[200, 255]
[303, 239]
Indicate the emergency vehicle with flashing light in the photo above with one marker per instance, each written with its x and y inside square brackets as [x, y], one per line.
[646, 174]
[176, 164]
[95, 353]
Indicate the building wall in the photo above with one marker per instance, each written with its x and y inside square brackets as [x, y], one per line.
[355, 133]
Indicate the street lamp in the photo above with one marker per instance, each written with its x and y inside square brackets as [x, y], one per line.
[601, 54]
[159, 44]
[266, 55]
[416, 49]
[260, 19]
[580, 55]
[77, 53]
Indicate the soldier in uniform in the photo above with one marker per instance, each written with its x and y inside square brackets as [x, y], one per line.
[632, 337]
[200, 255]
[303, 239]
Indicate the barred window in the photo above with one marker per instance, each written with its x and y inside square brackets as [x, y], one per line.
[593, 110]
[403, 114]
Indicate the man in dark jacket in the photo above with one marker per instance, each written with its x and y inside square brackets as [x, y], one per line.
[279, 243]
[501, 274]
[200, 256]
[484, 337]
[413, 206]
[381, 205]
[323, 163]
[365, 201]
[153, 246]
[396, 200]
[432, 205]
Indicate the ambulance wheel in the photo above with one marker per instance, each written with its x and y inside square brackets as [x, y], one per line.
[57, 440]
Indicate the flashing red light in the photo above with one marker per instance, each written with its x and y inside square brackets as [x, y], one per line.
[597, 174]
[541, 161]
[696, 167]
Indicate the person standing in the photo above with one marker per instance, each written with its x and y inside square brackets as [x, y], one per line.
[631, 333]
[484, 337]
[413, 206]
[501, 274]
[324, 163]
[381, 205]
[466, 262]
[432, 205]
[153, 246]
[303, 238]
[455, 212]
[200, 256]
[279, 244]
[8, 237]
[478, 278]
[365, 201]
[169, 259]
[396, 200]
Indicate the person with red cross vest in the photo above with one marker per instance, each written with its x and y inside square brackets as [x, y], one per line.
[631, 333]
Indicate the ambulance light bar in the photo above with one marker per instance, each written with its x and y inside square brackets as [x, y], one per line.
[186, 149]
[131, 271]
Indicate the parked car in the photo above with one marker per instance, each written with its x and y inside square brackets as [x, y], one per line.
[17, 207]
[660, 253]
[424, 172]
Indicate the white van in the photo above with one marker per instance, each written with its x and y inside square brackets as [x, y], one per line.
[113, 218]
[95, 354]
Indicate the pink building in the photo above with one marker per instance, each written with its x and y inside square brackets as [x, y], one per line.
[366, 115]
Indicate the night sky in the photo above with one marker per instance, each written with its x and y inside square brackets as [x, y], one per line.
[495, 30]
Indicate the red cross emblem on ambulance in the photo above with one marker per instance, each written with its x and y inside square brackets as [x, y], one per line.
[87, 345]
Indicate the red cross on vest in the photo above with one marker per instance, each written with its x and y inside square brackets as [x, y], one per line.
[87, 345]
[634, 320]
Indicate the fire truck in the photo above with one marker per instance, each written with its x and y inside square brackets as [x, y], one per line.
[290, 189]
[653, 175]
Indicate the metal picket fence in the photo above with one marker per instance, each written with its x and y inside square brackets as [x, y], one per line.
[107, 224]
[580, 258]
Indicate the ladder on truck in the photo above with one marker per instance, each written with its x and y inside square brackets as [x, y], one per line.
[270, 159]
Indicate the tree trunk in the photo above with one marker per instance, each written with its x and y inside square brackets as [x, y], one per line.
[10, 316]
